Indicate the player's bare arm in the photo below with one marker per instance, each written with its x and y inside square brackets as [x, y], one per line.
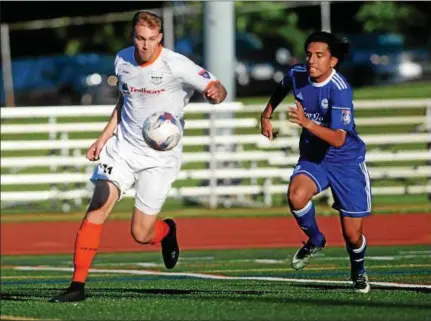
[95, 149]
[333, 137]
[275, 99]
[216, 93]
[109, 129]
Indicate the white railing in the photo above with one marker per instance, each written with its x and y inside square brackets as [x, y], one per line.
[69, 152]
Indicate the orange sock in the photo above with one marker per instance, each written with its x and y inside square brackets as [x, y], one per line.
[161, 229]
[86, 245]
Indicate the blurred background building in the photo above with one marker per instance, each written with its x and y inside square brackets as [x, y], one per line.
[64, 55]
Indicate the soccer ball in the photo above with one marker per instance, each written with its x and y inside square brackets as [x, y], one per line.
[162, 131]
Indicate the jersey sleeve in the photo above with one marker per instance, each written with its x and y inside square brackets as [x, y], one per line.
[191, 74]
[342, 110]
[286, 83]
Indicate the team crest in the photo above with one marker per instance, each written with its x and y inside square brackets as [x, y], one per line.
[346, 116]
[324, 103]
[156, 78]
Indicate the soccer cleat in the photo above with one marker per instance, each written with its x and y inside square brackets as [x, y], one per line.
[170, 249]
[361, 283]
[303, 255]
[70, 295]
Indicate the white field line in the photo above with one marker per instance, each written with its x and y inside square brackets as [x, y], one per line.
[223, 277]
[416, 252]
[318, 256]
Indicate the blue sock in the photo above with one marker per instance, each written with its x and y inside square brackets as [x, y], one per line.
[357, 257]
[306, 220]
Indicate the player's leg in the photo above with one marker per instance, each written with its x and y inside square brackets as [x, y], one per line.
[152, 188]
[307, 180]
[149, 229]
[105, 196]
[356, 245]
[109, 181]
[352, 195]
[88, 239]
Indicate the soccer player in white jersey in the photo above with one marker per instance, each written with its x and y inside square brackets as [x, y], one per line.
[151, 79]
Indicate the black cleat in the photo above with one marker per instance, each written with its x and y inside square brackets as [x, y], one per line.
[305, 253]
[170, 249]
[72, 294]
[361, 283]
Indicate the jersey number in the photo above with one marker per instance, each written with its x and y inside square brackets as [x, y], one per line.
[107, 169]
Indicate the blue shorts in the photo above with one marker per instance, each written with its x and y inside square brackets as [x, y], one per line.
[350, 185]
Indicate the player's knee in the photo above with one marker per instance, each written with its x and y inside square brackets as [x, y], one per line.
[298, 198]
[142, 234]
[353, 238]
[101, 202]
[100, 196]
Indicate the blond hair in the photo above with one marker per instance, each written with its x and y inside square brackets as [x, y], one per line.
[147, 19]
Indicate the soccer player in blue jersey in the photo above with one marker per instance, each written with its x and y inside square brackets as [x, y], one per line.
[331, 152]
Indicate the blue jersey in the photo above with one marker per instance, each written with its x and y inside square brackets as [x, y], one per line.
[329, 104]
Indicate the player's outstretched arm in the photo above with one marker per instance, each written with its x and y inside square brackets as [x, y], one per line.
[198, 78]
[216, 93]
[95, 149]
[334, 137]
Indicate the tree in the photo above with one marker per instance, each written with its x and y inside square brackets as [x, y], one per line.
[109, 37]
[391, 17]
[269, 18]
[258, 17]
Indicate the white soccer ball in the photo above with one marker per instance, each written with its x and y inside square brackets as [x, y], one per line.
[162, 131]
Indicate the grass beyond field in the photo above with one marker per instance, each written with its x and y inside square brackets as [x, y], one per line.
[222, 285]
[403, 90]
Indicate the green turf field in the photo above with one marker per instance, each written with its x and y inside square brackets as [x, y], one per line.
[223, 285]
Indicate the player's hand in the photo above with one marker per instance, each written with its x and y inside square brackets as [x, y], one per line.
[215, 94]
[266, 128]
[95, 149]
[297, 115]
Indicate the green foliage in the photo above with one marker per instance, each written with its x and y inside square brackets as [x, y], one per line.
[270, 18]
[385, 16]
[259, 18]
[109, 37]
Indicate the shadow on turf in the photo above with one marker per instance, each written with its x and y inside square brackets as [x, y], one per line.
[22, 296]
[214, 295]
[250, 295]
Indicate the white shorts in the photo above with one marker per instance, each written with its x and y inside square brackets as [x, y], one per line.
[151, 174]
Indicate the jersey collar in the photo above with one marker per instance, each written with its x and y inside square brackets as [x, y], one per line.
[323, 83]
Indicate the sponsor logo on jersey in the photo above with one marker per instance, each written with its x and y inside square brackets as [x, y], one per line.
[316, 117]
[146, 91]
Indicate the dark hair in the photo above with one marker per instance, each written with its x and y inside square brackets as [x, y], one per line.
[146, 18]
[338, 47]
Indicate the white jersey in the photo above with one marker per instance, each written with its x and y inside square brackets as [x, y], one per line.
[165, 84]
